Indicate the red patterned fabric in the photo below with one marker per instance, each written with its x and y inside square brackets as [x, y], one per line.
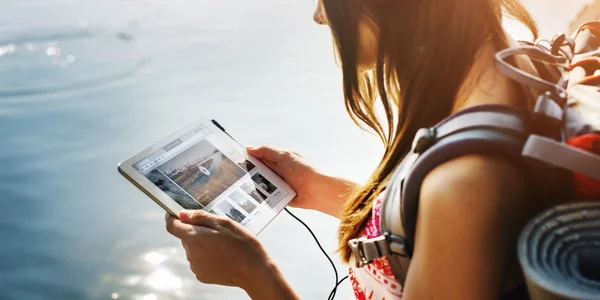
[586, 187]
[375, 281]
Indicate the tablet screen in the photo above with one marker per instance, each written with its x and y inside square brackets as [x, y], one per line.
[200, 170]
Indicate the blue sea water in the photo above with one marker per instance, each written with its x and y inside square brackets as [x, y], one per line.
[85, 84]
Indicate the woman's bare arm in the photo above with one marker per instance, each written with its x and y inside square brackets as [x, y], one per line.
[471, 212]
[269, 284]
[333, 192]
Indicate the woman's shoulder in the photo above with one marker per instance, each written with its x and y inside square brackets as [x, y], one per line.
[475, 182]
[474, 168]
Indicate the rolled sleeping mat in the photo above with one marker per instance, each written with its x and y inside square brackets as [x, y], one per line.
[559, 252]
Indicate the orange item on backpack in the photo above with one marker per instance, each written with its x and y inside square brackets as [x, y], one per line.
[586, 187]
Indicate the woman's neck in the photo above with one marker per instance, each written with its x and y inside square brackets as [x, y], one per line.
[486, 85]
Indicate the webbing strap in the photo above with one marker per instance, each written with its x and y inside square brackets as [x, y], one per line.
[528, 79]
[562, 155]
[399, 266]
[481, 119]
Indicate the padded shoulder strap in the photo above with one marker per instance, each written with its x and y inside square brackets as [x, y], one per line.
[495, 129]
[487, 129]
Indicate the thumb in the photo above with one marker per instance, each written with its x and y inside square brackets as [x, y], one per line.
[198, 217]
[265, 153]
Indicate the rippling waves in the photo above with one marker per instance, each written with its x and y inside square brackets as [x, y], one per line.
[53, 62]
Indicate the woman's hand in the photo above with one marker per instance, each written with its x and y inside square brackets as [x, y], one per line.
[223, 252]
[314, 189]
[295, 170]
[219, 250]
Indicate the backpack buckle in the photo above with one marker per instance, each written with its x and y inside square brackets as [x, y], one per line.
[367, 250]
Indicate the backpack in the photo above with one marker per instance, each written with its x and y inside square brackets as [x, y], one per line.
[561, 137]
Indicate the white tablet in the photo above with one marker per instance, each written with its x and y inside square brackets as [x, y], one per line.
[202, 167]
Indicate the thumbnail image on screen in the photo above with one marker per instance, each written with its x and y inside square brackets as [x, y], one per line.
[246, 165]
[231, 211]
[264, 183]
[242, 201]
[256, 194]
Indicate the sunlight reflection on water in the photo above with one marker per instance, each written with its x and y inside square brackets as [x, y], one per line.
[154, 258]
[149, 297]
[159, 271]
[162, 279]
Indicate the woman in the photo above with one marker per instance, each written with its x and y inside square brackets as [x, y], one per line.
[424, 60]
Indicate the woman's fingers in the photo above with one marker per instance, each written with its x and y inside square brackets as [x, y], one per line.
[266, 153]
[296, 153]
[178, 228]
[199, 218]
[183, 230]
[277, 160]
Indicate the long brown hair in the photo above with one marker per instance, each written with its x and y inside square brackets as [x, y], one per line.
[425, 49]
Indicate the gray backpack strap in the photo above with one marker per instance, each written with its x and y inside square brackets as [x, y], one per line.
[491, 129]
[561, 155]
[496, 130]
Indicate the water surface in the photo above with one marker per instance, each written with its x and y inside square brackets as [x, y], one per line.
[85, 84]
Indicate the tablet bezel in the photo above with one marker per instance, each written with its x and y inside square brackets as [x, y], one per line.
[167, 203]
